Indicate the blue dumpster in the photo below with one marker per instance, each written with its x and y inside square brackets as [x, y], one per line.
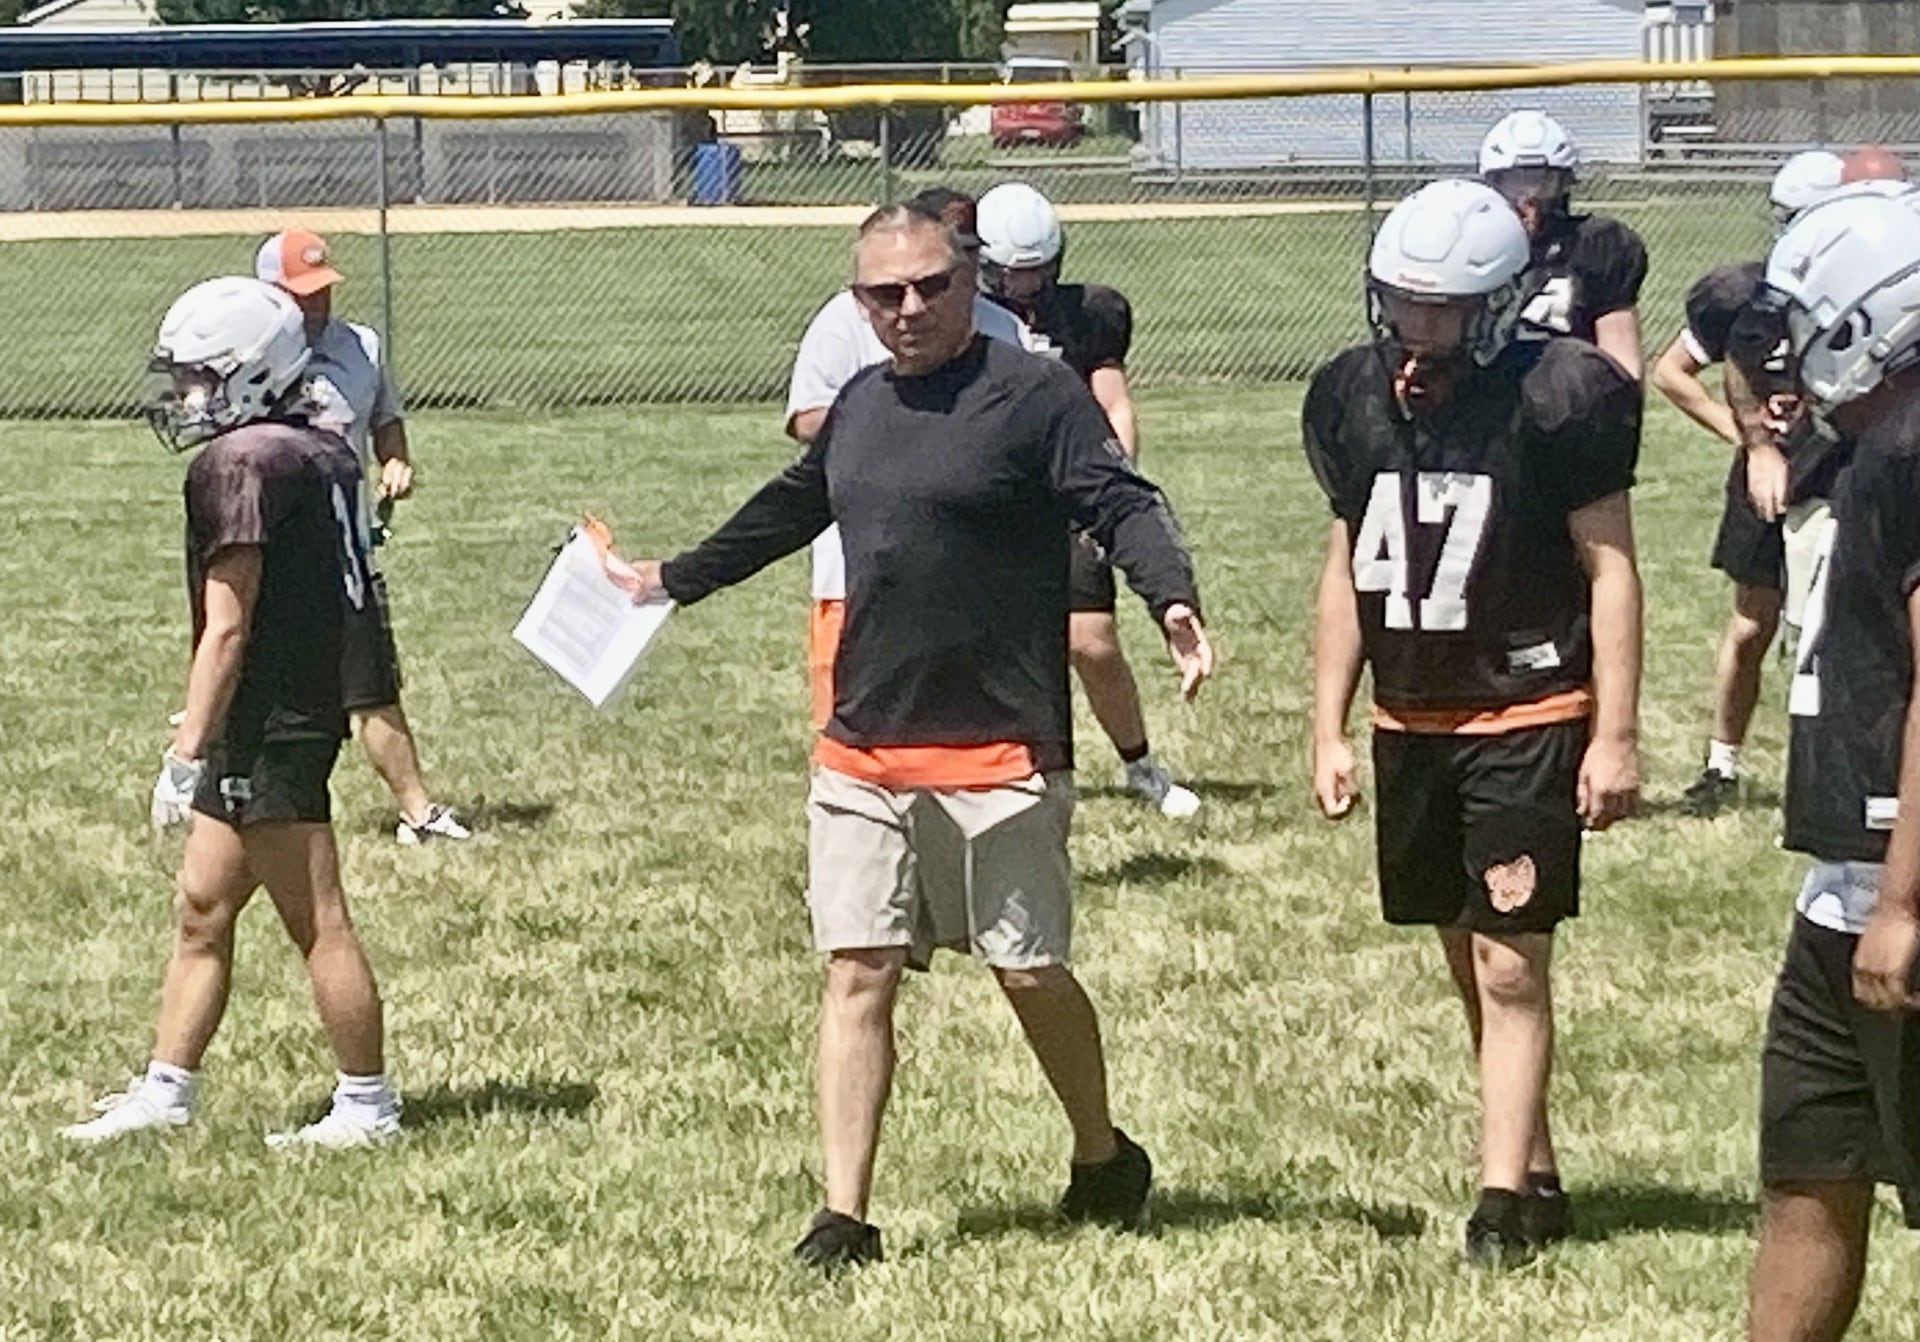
[716, 173]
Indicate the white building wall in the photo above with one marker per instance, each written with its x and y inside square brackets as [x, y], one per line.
[1198, 37]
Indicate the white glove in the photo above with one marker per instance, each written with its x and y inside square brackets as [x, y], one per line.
[173, 790]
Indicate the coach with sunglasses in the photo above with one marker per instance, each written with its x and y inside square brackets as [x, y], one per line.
[942, 788]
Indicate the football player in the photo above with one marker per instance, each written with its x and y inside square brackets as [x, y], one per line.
[275, 561]
[1749, 547]
[1481, 562]
[1840, 1074]
[1586, 270]
[1090, 328]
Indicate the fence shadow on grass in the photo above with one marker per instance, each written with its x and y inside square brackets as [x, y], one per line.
[1601, 1212]
[1197, 1209]
[445, 1104]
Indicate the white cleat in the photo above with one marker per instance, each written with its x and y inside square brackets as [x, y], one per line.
[136, 1109]
[345, 1128]
[441, 823]
[1152, 784]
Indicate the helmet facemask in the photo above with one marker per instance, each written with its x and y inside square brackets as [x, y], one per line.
[1443, 329]
[199, 402]
[1537, 190]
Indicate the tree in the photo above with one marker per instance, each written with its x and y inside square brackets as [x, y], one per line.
[331, 11]
[727, 32]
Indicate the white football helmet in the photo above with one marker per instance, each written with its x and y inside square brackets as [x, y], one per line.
[1803, 181]
[1453, 240]
[1528, 139]
[232, 348]
[1847, 277]
[1018, 228]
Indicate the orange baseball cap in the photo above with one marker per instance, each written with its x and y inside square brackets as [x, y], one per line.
[1873, 163]
[297, 261]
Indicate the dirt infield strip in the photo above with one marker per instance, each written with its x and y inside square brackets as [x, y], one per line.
[31, 226]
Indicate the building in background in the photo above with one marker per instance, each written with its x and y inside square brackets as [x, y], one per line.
[1174, 38]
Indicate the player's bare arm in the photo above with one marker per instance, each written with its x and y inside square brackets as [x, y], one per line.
[803, 426]
[1609, 784]
[1336, 676]
[1884, 961]
[1617, 333]
[232, 586]
[396, 460]
[1110, 388]
[1676, 375]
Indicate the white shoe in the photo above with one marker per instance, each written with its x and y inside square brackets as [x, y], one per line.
[441, 823]
[138, 1108]
[1152, 784]
[346, 1126]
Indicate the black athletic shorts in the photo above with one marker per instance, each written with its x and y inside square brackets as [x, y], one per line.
[1751, 552]
[1839, 1084]
[369, 663]
[1479, 832]
[1089, 576]
[283, 781]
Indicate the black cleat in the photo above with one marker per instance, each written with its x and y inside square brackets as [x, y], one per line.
[1496, 1232]
[1709, 792]
[1547, 1214]
[835, 1241]
[1112, 1193]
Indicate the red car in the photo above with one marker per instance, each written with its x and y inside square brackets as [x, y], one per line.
[1048, 123]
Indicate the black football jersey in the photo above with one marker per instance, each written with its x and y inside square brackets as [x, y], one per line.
[1088, 326]
[1588, 266]
[1854, 670]
[1715, 302]
[292, 492]
[1471, 594]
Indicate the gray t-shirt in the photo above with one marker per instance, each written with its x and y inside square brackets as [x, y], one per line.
[350, 392]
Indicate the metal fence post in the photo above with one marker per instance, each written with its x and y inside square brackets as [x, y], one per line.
[1367, 156]
[173, 143]
[1406, 123]
[1179, 133]
[885, 136]
[1822, 119]
[384, 194]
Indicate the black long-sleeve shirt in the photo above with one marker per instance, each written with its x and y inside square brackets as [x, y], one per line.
[954, 491]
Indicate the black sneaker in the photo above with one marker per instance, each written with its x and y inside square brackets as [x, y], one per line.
[1547, 1213]
[1709, 792]
[1112, 1193]
[1496, 1232]
[835, 1241]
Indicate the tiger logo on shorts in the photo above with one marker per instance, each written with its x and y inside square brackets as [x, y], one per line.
[1510, 885]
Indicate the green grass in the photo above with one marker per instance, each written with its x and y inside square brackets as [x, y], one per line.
[601, 1009]
[630, 316]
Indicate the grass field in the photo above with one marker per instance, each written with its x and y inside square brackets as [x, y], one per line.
[528, 321]
[601, 1009]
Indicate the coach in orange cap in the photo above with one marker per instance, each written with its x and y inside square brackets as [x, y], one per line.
[352, 395]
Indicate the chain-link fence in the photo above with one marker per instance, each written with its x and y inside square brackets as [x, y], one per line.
[643, 256]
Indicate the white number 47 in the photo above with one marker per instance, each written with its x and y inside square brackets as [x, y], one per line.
[1380, 551]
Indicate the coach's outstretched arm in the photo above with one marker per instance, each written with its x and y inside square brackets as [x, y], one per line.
[1609, 784]
[784, 514]
[1130, 518]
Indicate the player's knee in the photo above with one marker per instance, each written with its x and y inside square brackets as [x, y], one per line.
[1091, 646]
[1756, 617]
[1507, 976]
[202, 914]
[863, 977]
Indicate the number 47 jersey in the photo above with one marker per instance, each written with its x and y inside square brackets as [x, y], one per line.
[1472, 597]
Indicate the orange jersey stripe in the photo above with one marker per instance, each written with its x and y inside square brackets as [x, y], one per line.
[905, 768]
[1570, 706]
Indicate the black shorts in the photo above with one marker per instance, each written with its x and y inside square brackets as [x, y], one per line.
[283, 781]
[1751, 552]
[1839, 1084]
[369, 663]
[1089, 576]
[1479, 832]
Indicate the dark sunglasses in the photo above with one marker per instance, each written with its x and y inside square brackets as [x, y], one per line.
[892, 296]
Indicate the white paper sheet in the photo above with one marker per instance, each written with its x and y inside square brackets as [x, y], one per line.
[584, 627]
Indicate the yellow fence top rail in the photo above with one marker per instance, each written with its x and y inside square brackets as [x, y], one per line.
[1206, 88]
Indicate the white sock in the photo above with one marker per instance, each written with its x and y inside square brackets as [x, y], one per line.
[1723, 759]
[363, 1092]
[169, 1084]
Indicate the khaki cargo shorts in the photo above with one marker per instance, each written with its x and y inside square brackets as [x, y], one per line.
[981, 870]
